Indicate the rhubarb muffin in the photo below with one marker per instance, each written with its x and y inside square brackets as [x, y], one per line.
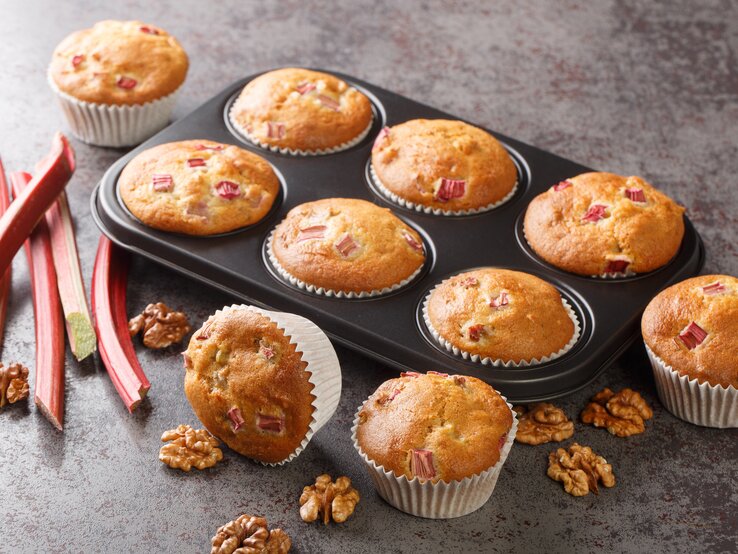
[691, 334]
[500, 317]
[602, 224]
[346, 247]
[442, 166]
[249, 385]
[116, 81]
[198, 187]
[434, 444]
[301, 112]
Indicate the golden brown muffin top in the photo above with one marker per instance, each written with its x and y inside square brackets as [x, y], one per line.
[443, 164]
[299, 109]
[598, 223]
[248, 385]
[198, 187]
[500, 314]
[346, 244]
[434, 427]
[119, 62]
[693, 327]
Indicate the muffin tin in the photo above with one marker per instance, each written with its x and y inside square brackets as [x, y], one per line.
[390, 327]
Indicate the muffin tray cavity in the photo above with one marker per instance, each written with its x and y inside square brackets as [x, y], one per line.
[390, 327]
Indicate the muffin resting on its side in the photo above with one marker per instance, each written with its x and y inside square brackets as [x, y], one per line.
[602, 223]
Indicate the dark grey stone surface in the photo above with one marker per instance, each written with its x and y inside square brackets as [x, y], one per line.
[632, 87]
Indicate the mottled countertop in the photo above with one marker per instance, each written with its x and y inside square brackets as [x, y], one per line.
[647, 88]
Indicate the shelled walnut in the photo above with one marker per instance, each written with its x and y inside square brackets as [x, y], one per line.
[542, 423]
[161, 326]
[579, 470]
[189, 448]
[622, 414]
[331, 500]
[13, 383]
[249, 535]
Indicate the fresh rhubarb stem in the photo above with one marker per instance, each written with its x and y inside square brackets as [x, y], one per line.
[49, 387]
[81, 333]
[29, 206]
[5, 278]
[109, 279]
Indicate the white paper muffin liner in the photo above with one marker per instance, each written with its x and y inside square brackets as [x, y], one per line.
[702, 404]
[428, 209]
[322, 363]
[287, 276]
[114, 125]
[294, 151]
[439, 500]
[498, 362]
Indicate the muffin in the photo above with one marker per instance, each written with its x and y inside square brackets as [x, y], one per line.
[198, 187]
[345, 247]
[262, 382]
[602, 224]
[691, 335]
[441, 166]
[116, 82]
[500, 317]
[434, 444]
[299, 111]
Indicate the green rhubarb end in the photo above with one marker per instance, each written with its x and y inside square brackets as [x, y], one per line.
[82, 335]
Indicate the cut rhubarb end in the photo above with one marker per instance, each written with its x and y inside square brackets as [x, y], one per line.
[148, 30]
[421, 464]
[414, 244]
[126, 82]
[617, 266]
[693, 335]
[5, 279]
[196, 162]
[383, 134]
[205, 332]
[708, 290]
[393, 395]
[328, 102]
[266, 350]
[49, 321]
[310, 233]
[186, 360]
[276, 130]
[109, 280]
[346, 246]
[437, 373]
[78, 59]
[635, 195]
[595, 213]
[162, 182]
[217, 147]
[272, 424]
[304, 88]
[450, 189]
[234, 414]
[501, 300]
[228, 190]
[561, 185]
[475, 332]
[412, 374]
[469, 282]
[501, 442]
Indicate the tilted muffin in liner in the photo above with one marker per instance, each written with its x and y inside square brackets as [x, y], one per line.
[702, 404]
[114, 125]
[322, 364]
[439, 500]
[389, 195]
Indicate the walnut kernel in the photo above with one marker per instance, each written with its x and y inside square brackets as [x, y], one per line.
[189, 448]
[13, 384]
[161, 326]
[541, 423]
[579, 470]
[249, 535]
[331, 500]
[622, 414]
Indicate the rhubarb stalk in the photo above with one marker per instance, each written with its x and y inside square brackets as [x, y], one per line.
[109, 280]
[49, 386]
[4, 278]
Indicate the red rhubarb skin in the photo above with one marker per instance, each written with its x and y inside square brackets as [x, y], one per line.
[49, 320]
[5, 279]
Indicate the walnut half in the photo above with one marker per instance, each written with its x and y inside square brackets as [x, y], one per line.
[331, 500]
[161, 326]
[249, 535]
[541, 423]
[13, 384]
[622, 414]
[189, 448]
[579, 470]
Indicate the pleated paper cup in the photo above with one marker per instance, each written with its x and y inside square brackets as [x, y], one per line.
[114, 125]
[322, 364]
[439, 500]
[702, 404]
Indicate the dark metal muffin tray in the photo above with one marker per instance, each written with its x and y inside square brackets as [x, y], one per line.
[390, 328]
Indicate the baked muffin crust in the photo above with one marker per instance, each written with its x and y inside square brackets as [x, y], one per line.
[459, 424]
[346, 244]
[598, 223]
[707, 352]
[300, 109]
[500, 314]
[240, 359]
[443, 164]
[119, 62]
[198, 187]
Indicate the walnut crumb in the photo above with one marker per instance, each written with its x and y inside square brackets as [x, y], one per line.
[331, 500]
[541, 423]
[622, 414]
[13, 384]
[249, 535]
[579, 469]
[161, 326]
[189, 448]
